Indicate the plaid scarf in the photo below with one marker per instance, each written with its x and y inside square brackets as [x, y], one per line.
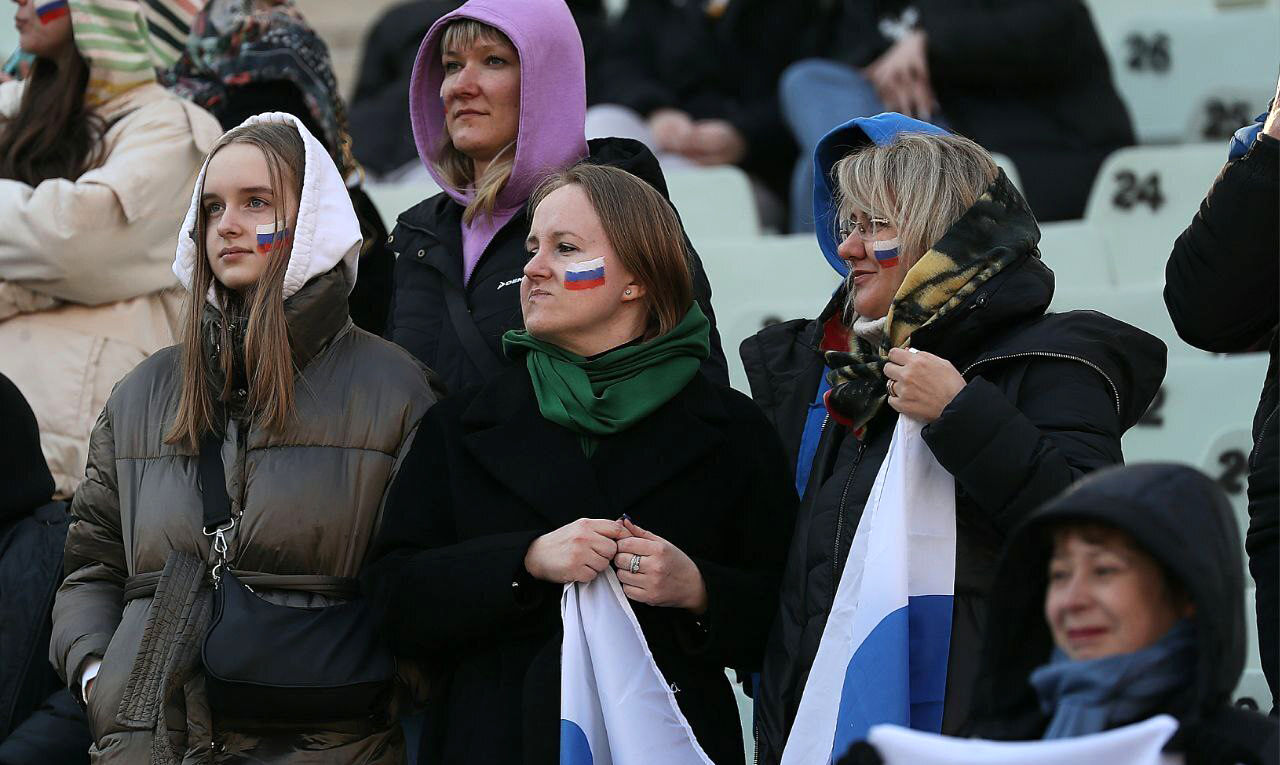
[943, 279]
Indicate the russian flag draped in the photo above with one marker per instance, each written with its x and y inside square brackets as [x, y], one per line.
[1138, 744]
[615, 706]
[883, 654]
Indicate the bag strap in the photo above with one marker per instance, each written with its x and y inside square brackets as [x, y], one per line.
[213, 484]
[480, 352]
[217, 505]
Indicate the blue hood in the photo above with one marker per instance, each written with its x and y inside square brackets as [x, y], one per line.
[834, 146]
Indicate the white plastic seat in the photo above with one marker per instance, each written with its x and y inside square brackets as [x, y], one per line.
[1143, 198]
[1191, 69]
[1005, 163]
[1076, 253]
[1253, 683]
[391, 199]
[1142, 306]
[714, 203]
[755, 282]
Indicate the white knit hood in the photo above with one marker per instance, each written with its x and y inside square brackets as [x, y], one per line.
[327, 232]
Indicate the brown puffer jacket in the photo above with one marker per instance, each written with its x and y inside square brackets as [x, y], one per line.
[308, 500]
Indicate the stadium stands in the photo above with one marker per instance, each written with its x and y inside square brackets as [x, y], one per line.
[1190, 71]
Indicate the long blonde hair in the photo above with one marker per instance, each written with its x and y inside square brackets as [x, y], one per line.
[268, 358]
[920, 183]
[456, 168]
[644, 232]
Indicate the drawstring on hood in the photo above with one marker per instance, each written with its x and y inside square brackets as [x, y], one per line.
[553, 104]
[327, 232]
[126, 41]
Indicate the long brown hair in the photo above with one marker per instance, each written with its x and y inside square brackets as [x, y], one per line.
[644, 232]
[54, 133]
[268, 358]
[455, 167]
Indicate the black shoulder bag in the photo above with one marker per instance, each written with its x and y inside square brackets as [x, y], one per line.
[278, 663]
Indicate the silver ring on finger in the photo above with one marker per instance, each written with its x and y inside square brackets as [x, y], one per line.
[635, 564]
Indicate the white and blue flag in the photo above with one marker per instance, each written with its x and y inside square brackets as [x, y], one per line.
[1138, 744]
[883, 654]
[615, 706]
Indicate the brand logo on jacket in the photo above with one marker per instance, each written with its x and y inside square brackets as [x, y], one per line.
[508, 283]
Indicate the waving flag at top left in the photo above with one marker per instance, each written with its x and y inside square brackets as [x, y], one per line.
[615, 706]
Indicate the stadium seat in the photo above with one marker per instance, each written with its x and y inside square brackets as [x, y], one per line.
[761, 281]
[1253, 684]
[391, 199]
[1142, 306]
[714, 203]
[1143, 198]
[1077, 255]
[1192, 70]
[1203, 416]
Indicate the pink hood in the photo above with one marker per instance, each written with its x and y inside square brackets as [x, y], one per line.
[553, 95]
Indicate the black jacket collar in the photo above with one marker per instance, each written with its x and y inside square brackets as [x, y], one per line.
[543, 463]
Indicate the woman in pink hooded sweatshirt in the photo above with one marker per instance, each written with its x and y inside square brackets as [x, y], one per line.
[498, 102]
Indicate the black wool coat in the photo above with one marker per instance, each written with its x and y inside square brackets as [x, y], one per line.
[1222, 287]
[487, 475]
[427, 240]
[1047, 399]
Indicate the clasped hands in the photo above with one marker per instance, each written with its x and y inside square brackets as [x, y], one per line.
[581, 550]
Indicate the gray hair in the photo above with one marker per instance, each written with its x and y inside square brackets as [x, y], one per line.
[921, 183]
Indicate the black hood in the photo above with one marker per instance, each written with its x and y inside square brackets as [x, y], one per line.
[1176, 514]
[25, 481]
[630, 155]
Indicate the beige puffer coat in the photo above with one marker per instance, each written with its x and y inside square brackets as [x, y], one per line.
[85, 286]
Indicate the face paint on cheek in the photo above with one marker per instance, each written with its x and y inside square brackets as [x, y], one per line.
[49, 11]
[268, 235]
[886, 252]
[584, 276]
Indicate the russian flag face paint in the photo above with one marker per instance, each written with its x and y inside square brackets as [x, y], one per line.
[47, 12]
[584, 276]
[886, 252]
[268, 235]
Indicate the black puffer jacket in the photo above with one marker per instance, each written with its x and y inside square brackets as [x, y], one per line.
[1182, 519]
[428, 242]
[1222, 286]
[40, 724]
[1047, 399]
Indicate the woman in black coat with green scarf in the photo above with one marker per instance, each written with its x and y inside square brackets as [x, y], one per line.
[604, 448]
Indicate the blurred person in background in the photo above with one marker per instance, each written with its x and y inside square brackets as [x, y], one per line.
[941, 318]
[40, 722]
[1119, 600]
[697, 83]
[498, 103]
[1024, 78]
[1222, 287]
[379, 113]
[603, 446]
[245, 57]
[310, 416]
[96, 160]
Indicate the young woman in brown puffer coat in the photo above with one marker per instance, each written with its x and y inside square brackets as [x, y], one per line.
[315, 417]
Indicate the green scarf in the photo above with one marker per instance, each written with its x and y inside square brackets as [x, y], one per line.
[606, 395]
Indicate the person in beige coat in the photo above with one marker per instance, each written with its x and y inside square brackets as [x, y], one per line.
[97, 162]
[314, 417]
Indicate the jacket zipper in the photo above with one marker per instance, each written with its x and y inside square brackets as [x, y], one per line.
[755, 734]
[1262, 432]
[844, 495]
[1115, 392]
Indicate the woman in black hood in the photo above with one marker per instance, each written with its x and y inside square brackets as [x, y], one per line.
[1069, 653]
